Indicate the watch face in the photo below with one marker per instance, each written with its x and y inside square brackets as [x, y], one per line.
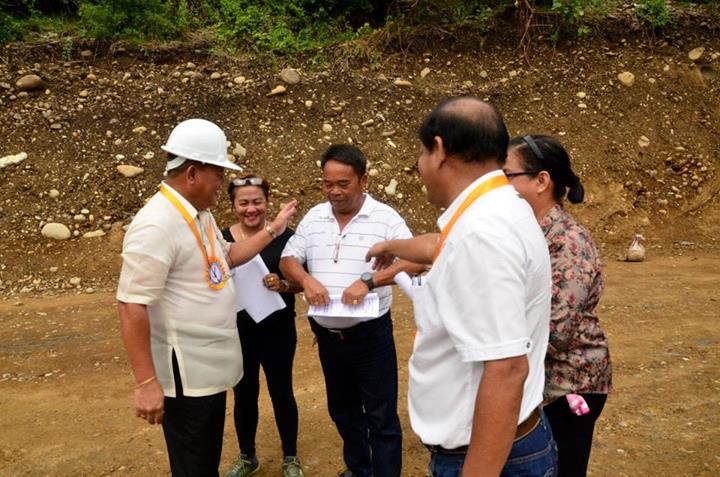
[366, 276]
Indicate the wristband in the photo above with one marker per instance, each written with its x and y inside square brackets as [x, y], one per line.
[147, 381]
[270, 231]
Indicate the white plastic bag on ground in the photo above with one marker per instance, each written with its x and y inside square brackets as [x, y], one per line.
[636, 251]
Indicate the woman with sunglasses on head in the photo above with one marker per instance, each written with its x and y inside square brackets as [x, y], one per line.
[269, 343]
[578, 373]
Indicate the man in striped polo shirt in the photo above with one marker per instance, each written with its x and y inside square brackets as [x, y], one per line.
[357, 354]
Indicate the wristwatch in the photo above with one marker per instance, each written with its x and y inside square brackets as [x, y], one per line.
[366, 278]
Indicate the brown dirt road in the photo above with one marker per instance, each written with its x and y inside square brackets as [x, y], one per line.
[65, 387]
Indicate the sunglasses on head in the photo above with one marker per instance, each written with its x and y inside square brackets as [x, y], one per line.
[256, 181]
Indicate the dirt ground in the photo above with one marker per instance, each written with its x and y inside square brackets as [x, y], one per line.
[647, 154]
[65, 389]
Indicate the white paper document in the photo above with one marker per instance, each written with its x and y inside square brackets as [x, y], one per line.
[250, 293]
[369, 308]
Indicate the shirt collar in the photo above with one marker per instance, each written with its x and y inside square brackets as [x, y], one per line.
[447, 215]
[552, 217]
[367, 208]
[188, 206]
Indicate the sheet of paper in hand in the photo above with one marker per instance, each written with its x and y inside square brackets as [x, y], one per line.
[250, 293]
[369, 308]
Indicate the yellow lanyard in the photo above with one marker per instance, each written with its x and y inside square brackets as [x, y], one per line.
[215, 274]
[482, 188]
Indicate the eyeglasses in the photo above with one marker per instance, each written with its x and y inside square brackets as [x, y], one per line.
[336, 251]
[511, 175]
[256, 181]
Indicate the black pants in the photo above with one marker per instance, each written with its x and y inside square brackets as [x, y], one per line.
[361, 380]
[270, 344]
[193, 428]
[573, 434]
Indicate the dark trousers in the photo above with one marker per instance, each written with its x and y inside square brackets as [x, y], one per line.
[573, 434]
[270, 344]
[193, 428]
[361, 380]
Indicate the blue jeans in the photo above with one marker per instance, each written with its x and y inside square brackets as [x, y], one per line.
[361, 380]
[534, 455]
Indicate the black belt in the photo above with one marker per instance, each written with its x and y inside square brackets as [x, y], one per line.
[349, 333]
[523, 429]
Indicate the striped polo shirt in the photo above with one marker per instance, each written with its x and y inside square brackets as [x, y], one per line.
[337, 258]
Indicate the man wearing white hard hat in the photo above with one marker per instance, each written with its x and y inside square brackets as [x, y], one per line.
[176, 304]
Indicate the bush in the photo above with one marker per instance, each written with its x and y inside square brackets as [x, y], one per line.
[132, 19]
[285, 27]
[11, 28]
[653, 13]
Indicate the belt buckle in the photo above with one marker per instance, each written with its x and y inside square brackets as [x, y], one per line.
[338, 333]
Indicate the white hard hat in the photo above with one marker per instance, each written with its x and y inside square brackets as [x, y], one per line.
[198, 140]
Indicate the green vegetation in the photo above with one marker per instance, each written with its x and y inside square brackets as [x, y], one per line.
[653, 13]
[287, 27]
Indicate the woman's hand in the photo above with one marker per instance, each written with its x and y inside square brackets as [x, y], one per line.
[273, 283]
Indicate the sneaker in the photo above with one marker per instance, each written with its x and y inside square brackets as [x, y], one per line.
[244, 466]
[292, 468]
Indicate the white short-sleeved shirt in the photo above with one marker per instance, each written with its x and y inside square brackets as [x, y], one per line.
[337, 259]
[486, 297]
[164, 269]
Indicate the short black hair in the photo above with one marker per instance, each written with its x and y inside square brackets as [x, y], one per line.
[347, 154]
[470, 128]
[555, 160]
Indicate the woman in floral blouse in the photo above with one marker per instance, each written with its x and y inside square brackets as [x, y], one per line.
[577, 361]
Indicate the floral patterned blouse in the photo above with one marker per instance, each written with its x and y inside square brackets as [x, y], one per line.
[578, 360]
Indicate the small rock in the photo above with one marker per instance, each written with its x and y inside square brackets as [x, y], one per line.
[239, 80]
[277, 90]
[582, 105]
[308, 104]
[90, 290]
[581, 95]
[483, 74]
[239, 151]
[91, 77]
[367, 123]
[373, 172]
[327, 128]
[424, 72]
[129, 171]
[290, 75]
[84, 93]
[626, 78]
[643, 141]
[696, 53]
[391, 188]
[30, 83]
[75, 281]
[86, 54]
[94, 233]
[139, 130]
[53, 269]
[190, 65]
[55, 126]
[79, 218]
[402, 82]
[12, 159]
[126, 76]
[56, 231]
